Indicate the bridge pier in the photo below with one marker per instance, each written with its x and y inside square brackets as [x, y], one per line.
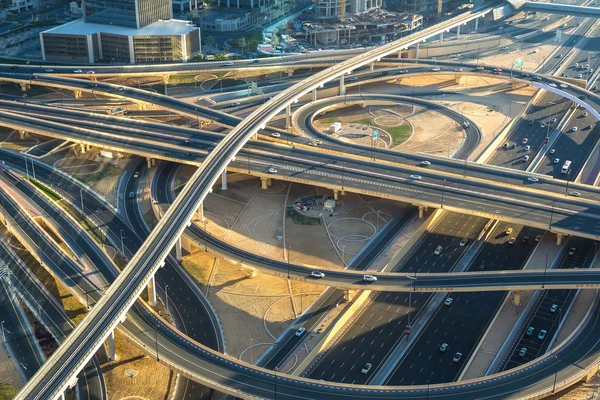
[342, 86]
[417, 51]
[290, 72]
[112, 349]
[349, 294]
[178, 251]
[314, 95]
[288, 116]
[22, 134]
[83, 148]
[336, 195]
[224, 180]
[422, 210]
[372, 66]
[399, 55]
[77, 94]
[516, 298]
[441, 37]
[458, 31]
[559, 238]
[200, 213]
[152, 291]
[457, 79]
[142, 106]
[476, 24]
[151, 162]
[25, 86]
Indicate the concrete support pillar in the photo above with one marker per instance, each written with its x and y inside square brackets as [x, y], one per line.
[22, 134]
[336, 195]
[559, 238]
[314, 95]
[342, 86]
[288, 116]
[422, 210]
[441, 37]
[142, 106]
[149, 161]
[476, 24]
[77, 94]
[83, 148]
[224, 180]
[112, 349]
[417, 51]
[89, 147]
[264, 183]
[290, 72]
[457, 79]
[349, 294]
[516, 298]
[152, 291]
[269, 182]
[372, 66]
[178, 252]
[200, 212]
[24, 86]
[458, 31]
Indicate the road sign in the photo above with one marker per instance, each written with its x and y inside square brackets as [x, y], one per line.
[518, 63]
[375, 133]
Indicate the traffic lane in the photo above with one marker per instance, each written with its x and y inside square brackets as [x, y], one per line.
[542, 317]
[15, 335]
[462, 323]
[378, 329]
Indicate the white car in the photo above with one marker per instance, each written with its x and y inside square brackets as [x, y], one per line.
[505, 48]
[90, 72]
[49, 70]
[369, 278]
[530, 331]
[542, 125]
[527, 148]
[317, 274]
[575, 194]
[275, 134]
[272, 170]
[523, 351]
[553, 308]
[574, 129]
[436, 69]
[458, 69]
[78, 71]
[553, 120]
[497, 70]
[542, 334]
[300, 331]
[532, 179]
[416, 177]
[552, 151]
[438, 250]
[564, 85]
[579, 76]
[463, 242]
[448, 301]
[556, 160]
[425, 162]
[444, 347]
[457, 357]
[366, 369]
[552, 85]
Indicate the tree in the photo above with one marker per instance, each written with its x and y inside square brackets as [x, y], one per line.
[274, 40]
[7, 392]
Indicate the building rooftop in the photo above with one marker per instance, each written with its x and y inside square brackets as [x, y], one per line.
[160, 28]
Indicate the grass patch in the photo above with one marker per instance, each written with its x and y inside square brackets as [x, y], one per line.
[7, 391]
[175, 79]
[197, 266]
[74, 309]
[107, 171]
[364, 121]
[298, 218]
[330, 120]
[251, 41]
[399, 134]
[51, 193]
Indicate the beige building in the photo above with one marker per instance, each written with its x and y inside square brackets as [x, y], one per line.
[83, 42]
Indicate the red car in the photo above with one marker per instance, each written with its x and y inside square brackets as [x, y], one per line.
[497, 73]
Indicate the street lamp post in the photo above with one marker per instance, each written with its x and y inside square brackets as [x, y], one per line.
[288, 261]
[551, 215]
[167, 298]
[555, 374]
[414, 280]
[81, 197]
[205, 233]
[3, 334]
[122, 244]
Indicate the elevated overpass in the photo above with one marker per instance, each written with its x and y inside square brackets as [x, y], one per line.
[554, 8]
[215, 370]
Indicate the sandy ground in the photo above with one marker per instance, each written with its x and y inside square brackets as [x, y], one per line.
[152, 381]
[256, 308]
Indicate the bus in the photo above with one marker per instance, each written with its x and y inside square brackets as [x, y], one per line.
[566, 167]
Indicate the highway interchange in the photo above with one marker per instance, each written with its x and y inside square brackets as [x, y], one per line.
[427, 279]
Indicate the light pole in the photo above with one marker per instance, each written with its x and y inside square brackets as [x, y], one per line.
[3, 334]
[443, 189]
[87, 301]
[414, 280]
[545, 269]
[205, 233]
[81, 197]
[288, 261]
[551, 215]
[167, 298]
[555, 374]
[122, 244]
